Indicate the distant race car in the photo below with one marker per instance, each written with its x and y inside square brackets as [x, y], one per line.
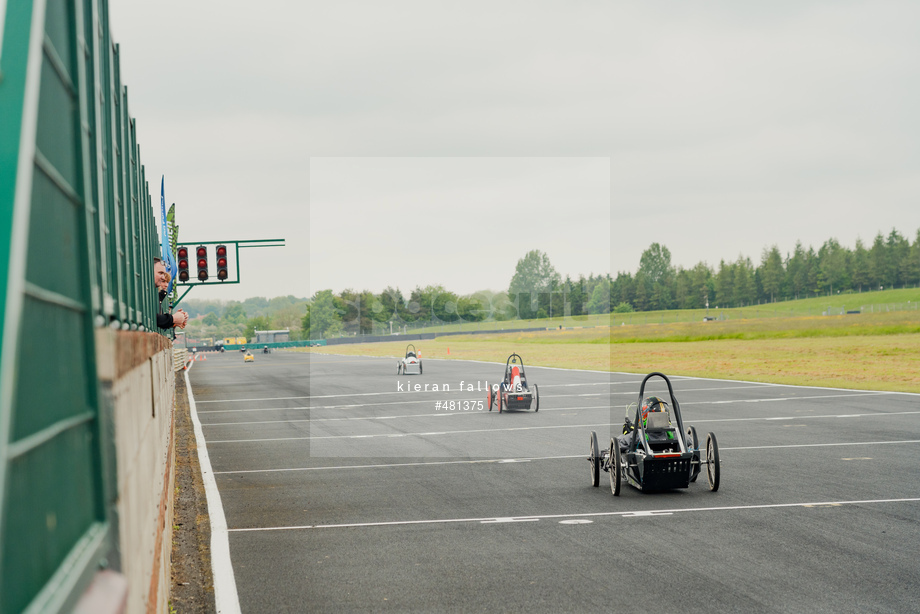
[514, 392]
[411, 364]
[265, 350]
[655, 452]
[248, 357]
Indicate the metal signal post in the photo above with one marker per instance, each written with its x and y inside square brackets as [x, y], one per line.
[222, 261]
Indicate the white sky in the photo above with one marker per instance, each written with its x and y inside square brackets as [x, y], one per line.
[714, 128]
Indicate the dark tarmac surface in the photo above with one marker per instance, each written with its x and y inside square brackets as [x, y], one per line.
[342, 493]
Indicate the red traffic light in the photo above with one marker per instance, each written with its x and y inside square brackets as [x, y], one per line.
[182, 265]
[202, 253]
[222, 273]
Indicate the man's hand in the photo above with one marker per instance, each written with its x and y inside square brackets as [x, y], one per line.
[180, 319]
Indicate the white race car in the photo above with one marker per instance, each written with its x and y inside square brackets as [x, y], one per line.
[411, 364]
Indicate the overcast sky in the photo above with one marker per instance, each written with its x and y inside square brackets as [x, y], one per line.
[410, 143]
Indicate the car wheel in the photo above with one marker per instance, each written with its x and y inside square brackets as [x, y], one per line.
[693, 445]
[615, 468]
[499, 399]
[420, 367]
[594, 460]
[536, 398]
[490, 396]
[713, 468]
[399, 368]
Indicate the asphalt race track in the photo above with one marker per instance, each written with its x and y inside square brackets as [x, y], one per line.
[343, 493]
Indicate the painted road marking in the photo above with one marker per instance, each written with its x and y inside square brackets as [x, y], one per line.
[538, 458]
[446, 412]
[458, 390]
[226, 599]
[630, 513]
[525, 428]
[576, 521]
[390, 465]
[470, 412]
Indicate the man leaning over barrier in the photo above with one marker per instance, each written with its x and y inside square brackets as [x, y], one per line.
[161, 278]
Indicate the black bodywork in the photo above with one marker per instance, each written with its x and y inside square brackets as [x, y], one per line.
[660, 454]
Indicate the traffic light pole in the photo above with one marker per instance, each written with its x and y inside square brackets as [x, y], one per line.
[238, 245]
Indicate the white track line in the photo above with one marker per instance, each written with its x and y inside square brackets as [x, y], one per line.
[226, 599]
[394, 435]
[631, 513]
[532, 428]
[389, 465]
[671, 377]
[459, 390]
[774, 399]
[446, 412]
[429, 400]
[525, 459]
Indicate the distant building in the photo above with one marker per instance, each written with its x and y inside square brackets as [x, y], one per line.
[272, 336]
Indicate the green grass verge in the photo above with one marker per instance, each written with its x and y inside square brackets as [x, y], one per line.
[884, 301]
[879, 351]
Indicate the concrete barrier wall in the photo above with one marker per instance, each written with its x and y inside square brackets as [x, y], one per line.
[137, 371]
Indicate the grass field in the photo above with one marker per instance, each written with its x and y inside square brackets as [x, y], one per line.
[884, 301]
[876, 351]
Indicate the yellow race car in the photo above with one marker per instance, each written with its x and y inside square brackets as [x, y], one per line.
[249, 357]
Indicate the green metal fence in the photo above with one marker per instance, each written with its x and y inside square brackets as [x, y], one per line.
[77, 238]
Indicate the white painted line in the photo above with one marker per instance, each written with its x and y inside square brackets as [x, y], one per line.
[680, 377]
[320, 437]
[538, 428]
[823, 445]
[457, 390]
[576, 521]
[226, 599]
[391, 465]
[772, 400]
[629, 513]
[506, 520]
[566, 457]
[781, 418]
[743, 381]
[446, 412]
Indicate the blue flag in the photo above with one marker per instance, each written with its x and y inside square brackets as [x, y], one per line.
[166, 250]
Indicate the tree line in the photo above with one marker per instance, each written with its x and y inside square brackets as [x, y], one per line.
[537, 290]
[219, 319]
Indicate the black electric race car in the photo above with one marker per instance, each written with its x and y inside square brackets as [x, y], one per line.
[514, 392]
[655, 452]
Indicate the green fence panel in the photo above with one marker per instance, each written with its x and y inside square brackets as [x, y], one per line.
[77, 238]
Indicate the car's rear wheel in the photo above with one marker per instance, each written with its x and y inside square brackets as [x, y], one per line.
[420, 367]
[499, 393]
[490, 397]
[536, 398]
[615, 469]
[693, 445]
[594, 460]
[399, 368]
[713, 468]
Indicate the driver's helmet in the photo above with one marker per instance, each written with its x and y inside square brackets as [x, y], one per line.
[651, 404]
